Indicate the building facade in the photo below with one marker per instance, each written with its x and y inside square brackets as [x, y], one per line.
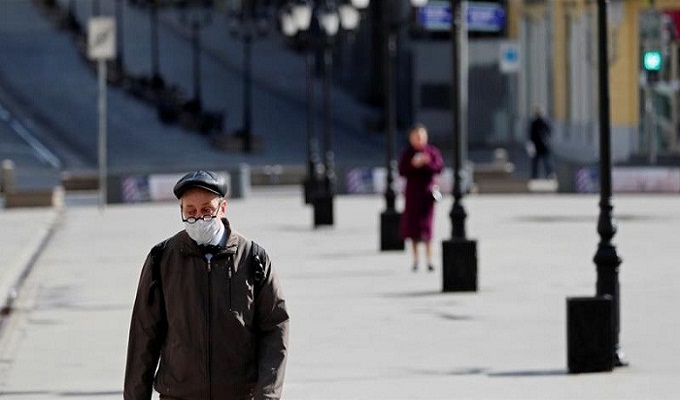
[559, 41]
[556, 68]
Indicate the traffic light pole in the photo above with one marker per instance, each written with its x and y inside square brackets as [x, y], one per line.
[650, 125]
[652, 63]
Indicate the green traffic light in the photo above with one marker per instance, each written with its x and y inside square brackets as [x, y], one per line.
[651, 60]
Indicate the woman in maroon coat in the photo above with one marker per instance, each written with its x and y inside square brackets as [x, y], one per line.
[419, 164]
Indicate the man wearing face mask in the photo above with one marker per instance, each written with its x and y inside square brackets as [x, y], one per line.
[209, 320]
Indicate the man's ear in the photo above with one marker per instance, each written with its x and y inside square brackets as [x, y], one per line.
[223, 206]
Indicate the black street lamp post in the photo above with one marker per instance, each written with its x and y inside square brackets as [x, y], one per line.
[196, 45]
[323, 203]
[606, 258]
[593, 323]
[298, 20]
[459, 264]
[196, 15]
[323, 200]
[329, 18]
[71, 18]
[247, 130]
[157, 82]
[314, 168]
[390, 217]
[246, 22]
[120, 10]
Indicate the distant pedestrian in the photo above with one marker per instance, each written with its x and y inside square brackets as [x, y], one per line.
[209, 320]
[539, 137]
[420, 163]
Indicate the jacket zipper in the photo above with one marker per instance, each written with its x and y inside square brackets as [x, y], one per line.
[207, 323]
[229, 275]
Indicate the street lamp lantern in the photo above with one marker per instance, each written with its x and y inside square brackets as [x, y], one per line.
[302, 16]
[330, 21]
[288, 26]
[360, 4]
[349, 17]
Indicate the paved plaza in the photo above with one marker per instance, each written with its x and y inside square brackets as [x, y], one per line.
[363, 326]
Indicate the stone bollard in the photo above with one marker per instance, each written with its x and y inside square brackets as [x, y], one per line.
[500, 156]
[7, 182]
[239, 185]
[273, 173]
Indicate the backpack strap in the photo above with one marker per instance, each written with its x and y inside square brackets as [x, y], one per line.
[156, 282]
[257, 257]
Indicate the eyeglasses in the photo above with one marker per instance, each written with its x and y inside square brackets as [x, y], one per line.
[206, 217]
[192, 220]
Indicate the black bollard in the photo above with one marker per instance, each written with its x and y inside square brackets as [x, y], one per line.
[590, 334]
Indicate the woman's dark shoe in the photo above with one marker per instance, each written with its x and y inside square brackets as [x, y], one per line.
[430, 267]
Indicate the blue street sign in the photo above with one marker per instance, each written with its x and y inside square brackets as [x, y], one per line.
[509, 57]
[485, 17]
[481, 16]
[435, 16]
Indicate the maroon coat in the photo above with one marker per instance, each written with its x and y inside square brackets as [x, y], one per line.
[416, 220]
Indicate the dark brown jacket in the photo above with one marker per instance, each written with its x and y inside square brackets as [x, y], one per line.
[219, 328]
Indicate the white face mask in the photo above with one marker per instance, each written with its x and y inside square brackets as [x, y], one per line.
[203, 232]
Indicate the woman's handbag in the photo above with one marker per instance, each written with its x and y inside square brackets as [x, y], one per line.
[436, 193]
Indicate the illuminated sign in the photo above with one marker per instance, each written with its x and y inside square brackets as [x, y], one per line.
[481, 17]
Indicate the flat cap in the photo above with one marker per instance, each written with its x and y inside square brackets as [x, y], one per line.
[201, 179]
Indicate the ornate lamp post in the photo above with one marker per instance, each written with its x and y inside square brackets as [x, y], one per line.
[71, 19]
[246, 22]
[196, 14]
[389, 218]
[157, 81]
[593, 323]
[329, 17]
[323, 202]
[459, 264]
[120, 12]
[606, 258]
[296, 20]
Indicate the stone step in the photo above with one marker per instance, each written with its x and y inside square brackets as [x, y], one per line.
[35, 198]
